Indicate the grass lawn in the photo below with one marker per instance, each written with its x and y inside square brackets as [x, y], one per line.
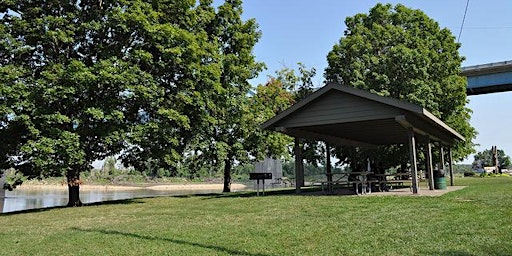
[474, 221]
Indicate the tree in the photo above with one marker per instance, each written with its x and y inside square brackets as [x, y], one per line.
[402, 53]
[83, 80]
[301, 85]
[269, 100]
[484, 158]
[68, 87]
[178, 52]
[222, 138]
[109, 166]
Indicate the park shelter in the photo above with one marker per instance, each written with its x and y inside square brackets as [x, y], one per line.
[343, 115]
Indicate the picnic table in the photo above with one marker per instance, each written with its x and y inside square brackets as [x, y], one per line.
[359, 181]
[398, 179]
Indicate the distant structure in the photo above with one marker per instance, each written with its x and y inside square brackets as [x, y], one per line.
[273, 166]
[488, 78]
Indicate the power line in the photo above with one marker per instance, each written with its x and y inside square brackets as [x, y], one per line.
[463, 19]
[488, 28]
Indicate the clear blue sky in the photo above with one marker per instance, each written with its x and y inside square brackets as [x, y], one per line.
[305, 31]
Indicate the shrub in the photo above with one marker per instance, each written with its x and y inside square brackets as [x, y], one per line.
[469, 173]
[13, 178]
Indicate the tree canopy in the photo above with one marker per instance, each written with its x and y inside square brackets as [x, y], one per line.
[398, 52]
[75, 86]
[83, 80]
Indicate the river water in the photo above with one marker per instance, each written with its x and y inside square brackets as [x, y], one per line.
[26, 199]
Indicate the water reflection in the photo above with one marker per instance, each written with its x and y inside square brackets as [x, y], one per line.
[18, 200]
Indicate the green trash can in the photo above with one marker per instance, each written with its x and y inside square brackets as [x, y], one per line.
[439, 182]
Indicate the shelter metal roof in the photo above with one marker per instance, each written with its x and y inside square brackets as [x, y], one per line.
[348, 116]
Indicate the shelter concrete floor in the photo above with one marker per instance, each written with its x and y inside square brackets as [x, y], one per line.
[423, 191]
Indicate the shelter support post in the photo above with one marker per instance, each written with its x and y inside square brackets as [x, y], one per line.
[414, 165]
[441, 156]
[430, 171]
[328, 166]
[450, 165]
[299, 166]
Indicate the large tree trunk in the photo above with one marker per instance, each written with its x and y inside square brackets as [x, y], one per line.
[227, 175]
[73, 178]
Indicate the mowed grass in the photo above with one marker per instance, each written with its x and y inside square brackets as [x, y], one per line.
[474, 221]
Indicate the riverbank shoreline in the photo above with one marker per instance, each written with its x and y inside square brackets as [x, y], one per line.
[152, 186]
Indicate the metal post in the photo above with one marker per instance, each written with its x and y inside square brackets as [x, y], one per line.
[414, 166]
[263, 186]
[258, 187]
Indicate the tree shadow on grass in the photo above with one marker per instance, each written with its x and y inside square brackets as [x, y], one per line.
[279, 192]
[489, 250]
[115, 202]
[171, 240]
[110, 202]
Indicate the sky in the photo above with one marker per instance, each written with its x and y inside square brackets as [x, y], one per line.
[306, 30]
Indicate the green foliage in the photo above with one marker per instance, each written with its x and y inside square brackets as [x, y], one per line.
[485, 158]
[76, 84]
[461, 168]
[402, 53]
[312, 172]
[148, 81]
[13, 178]
[223, 136]
[109, 166]
[469, 173]
[491, 174]
[299, 86]
[269, 100]
[241, 172]
[175, 46]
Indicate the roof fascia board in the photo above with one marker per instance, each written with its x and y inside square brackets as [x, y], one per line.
[350, 120]
[296, 106]
[442, 124]
[407, 125]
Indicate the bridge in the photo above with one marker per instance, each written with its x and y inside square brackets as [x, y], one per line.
[488, 78]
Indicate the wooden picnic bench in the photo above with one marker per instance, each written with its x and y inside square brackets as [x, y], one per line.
[357, 183]
[398, 181]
